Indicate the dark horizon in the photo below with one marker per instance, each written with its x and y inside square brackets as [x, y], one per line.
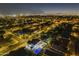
[38, 8]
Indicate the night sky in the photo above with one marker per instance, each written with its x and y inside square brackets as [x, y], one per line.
[38, 8]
